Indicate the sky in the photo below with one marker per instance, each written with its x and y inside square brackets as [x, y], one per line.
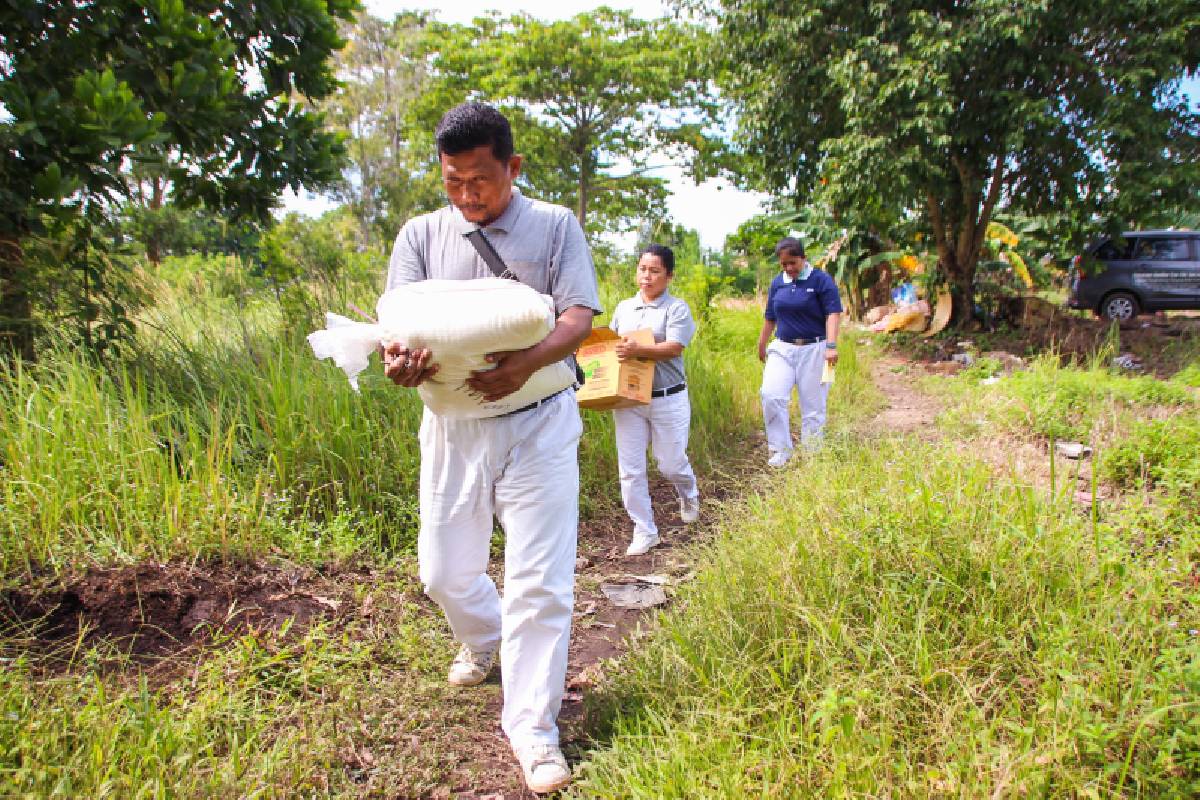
[715, 208]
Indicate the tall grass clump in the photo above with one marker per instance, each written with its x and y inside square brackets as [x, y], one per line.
[216, 432]
[1051, 401]
[891, 619]
[105, 464]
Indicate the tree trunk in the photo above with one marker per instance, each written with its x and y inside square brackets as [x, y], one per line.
[16, 306]
[581, 207]
[962, 292]
[959, 241]
[154, 240]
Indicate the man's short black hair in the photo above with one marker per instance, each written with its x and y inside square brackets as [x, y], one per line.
[790, 245]
[471, 125]
[664, 253]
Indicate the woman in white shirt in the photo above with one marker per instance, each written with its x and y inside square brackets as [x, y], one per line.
[663, 424]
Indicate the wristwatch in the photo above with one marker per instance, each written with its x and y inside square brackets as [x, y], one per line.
[831, 345]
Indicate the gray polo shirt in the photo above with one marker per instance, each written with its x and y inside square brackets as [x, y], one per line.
[541, 243]
[669, 318]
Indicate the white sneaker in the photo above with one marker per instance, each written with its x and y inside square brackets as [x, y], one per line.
[544, 767]
[689, 510]
[641, 544]
[471, 668]
[779, 459]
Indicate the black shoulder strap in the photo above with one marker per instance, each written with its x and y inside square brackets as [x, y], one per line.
[489, 255]
[500, 270]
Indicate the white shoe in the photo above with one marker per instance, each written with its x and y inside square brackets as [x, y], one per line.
[689, 510]
[544, 767]
[779, 459]
[641, 544]
[471, 668]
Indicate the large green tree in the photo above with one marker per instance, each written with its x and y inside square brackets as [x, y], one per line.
[597, 101]
[391, 173]
[951, 109]
[207, 89]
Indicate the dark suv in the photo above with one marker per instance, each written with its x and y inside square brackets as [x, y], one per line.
[1121, 277]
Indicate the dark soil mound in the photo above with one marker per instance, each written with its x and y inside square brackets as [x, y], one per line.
[152, 610]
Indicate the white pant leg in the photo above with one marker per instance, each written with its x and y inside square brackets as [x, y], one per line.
[670, 419]
[813, 394]
[456, 526]
[632, 428]
[537, 501]
[779, 376]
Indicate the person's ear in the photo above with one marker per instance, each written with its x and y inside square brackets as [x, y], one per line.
[514, 166]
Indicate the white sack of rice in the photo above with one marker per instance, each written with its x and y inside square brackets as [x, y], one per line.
[460, 322]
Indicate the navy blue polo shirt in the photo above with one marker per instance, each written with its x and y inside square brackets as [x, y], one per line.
[799, 307]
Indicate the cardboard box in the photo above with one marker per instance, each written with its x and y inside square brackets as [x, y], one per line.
[611, 383]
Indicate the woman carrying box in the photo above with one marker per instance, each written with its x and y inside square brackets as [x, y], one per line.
[663, 424]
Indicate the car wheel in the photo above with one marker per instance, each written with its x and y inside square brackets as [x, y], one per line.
[1119, 306]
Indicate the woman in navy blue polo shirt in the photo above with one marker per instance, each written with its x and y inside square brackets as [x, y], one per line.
[803, 312]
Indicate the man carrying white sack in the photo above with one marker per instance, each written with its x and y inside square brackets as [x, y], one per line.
[522, 466]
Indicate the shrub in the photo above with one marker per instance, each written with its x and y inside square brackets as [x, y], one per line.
[1156, 452]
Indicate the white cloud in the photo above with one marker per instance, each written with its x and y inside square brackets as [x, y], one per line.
[715, 208]
[306, 203]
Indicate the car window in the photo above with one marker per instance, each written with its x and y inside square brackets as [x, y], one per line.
[1113, 250]
[1162, 249]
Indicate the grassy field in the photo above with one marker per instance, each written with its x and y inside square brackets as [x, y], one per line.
[218, 435]
[894, 619]
[888, 618]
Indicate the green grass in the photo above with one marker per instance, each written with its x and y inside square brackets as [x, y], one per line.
[1048, 401]
[1157, 452]
[891, 619]
[217, 432]
[1189, 375]
[883, 619]
[328, 713]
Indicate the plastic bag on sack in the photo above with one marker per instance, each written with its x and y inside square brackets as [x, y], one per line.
[460, 322]
[348, 343]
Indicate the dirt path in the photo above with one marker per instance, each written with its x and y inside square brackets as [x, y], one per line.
[488, 771]
[908, 410]
[602, 631]
[159, 620]
[486, 768]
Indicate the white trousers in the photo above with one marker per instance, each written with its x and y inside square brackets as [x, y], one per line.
[798, 366]
[523, 469]
[663, 425]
